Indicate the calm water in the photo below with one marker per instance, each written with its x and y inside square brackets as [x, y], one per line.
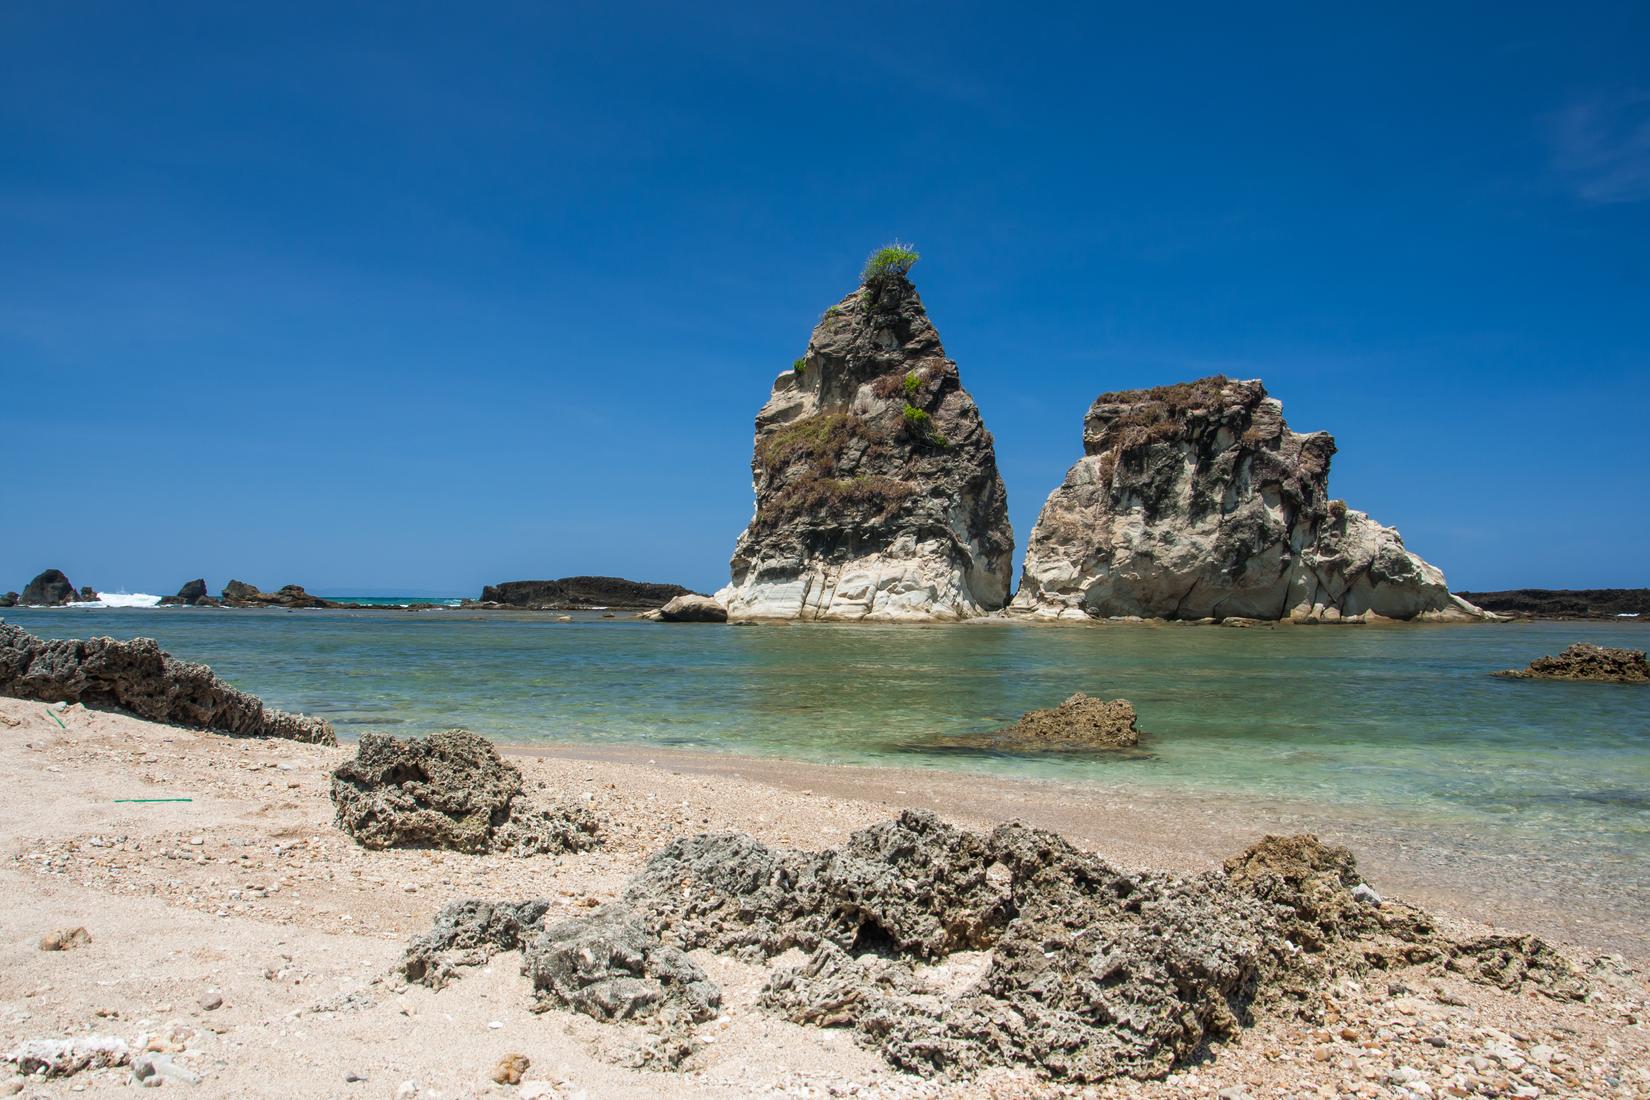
[1397, 721]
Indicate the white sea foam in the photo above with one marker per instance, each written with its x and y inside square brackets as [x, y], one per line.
[121, 599]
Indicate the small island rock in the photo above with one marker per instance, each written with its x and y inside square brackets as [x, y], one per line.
[49, 589]
[693, 609]
[1581, 661]
[1080, 721]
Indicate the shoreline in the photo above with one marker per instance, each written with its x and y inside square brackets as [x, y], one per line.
[246, 935]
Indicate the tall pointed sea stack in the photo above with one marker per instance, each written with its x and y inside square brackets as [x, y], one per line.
[1195, 501]
[877, 493]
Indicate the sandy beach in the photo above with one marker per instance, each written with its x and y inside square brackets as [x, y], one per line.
[244, 934]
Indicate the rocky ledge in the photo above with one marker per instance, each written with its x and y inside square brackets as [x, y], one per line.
[292, 596]
[877, 492]
[138, 677]
[951, 952]
[581, 594]
[449, 790]
[1196, 501]
[1587, 662]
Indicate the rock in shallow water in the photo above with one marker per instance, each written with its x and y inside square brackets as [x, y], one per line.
[138, 676]
[1587, 662]
[1079, 722]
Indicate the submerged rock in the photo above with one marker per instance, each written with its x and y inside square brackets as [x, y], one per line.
[448, 790]
[693, 609]
[139, 677]
[877, 492]
[1079, 722]
[1587, 662]
[1196, 501]
[49, 589]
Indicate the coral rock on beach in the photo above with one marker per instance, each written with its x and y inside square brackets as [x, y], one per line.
[448, 790]
[49, 589]
[1080, 722]
[877, 492]
[1587, 662]
[138, 676]
[1196, 501]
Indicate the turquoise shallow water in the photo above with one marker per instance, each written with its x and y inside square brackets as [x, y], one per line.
[1400, 722]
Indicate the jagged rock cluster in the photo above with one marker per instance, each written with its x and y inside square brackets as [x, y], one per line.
[1587, 662]
[1081, 722]
[52, 589]
[950, 952]
[137, 676]
[190, 594]
[241, 594]
[449, 790]
[877, 492]
[1196, 501]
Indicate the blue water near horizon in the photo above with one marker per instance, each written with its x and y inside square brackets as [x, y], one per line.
[1400, 722]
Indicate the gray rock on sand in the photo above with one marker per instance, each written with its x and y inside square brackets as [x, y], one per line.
[139, 677]
[65, 939]
[1582, 661]
[693, 608]
[608, 966]
[467, 933]
[49, 589]
[1080, 722]
[449, 790]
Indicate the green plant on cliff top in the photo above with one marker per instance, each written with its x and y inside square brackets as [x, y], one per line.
[889, 262]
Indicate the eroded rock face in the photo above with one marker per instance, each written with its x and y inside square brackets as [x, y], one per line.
[877, 492]
[139, 677]
[608, 966]
[449, 790]
[49, 589]
[1587, 662]
[1080, 722]
[1196, 501]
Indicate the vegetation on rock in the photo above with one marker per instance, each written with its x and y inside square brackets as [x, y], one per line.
[891, 261]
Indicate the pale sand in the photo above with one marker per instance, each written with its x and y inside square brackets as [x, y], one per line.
[296, 928]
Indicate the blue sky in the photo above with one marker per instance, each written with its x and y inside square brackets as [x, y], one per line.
[415, 297]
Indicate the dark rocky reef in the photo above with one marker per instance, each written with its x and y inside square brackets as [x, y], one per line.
[449, 790]
[877, 492]
[8, 599]
[1054, 960]
[1581, 661]
[1567, 603]
[49, 589]
[291, 596]
[192, 594]
[1081, 722]
[1196, 501]
[582, 594]
[138, 677]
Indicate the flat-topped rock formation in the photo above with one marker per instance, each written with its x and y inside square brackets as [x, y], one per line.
[582, 593]
[1196, 501]
[1566, 603]
[140, 678]
[877, 492]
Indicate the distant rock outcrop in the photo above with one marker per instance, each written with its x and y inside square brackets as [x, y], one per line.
[137, 676]
[292, 596]
[49, 589]
[1587, 662]
[448, 790]
[693, 609]
[582, 594]
[8, 599]
[192, 594]
[1196, 501]
[877, 492]
[1562, 603]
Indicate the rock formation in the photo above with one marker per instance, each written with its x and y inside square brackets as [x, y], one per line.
[877, 493]
[1559, 603]
[192, 594]
[582, 594]
[692, 609]
[137, 676]
[1196, 501]
[291, 596]
[1081, 722]
[448, 790]
[8, 599]
[1587, 662]
[1084, 971]
[49, 589]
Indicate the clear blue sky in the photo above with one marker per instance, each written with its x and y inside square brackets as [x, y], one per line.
[412, 297]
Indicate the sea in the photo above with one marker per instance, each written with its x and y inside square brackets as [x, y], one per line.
[1399, 723]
